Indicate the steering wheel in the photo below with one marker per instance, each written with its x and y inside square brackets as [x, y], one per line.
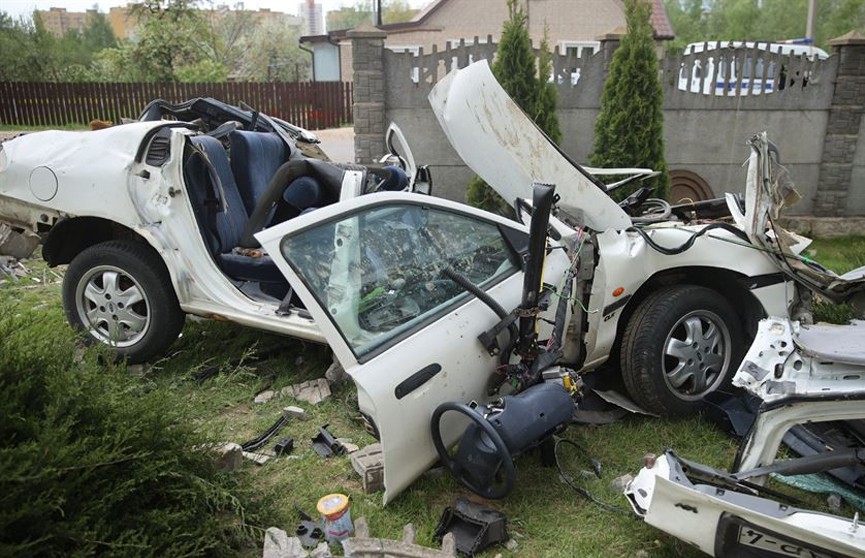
[471, 474]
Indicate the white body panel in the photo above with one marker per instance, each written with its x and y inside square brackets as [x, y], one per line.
[627, 261]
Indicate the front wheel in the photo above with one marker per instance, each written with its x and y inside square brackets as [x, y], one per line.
[681, 343]
[119, 293]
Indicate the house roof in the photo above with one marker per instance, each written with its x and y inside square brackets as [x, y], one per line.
[660, 23]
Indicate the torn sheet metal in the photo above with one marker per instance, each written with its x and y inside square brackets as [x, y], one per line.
[803, 374]
[768, 191]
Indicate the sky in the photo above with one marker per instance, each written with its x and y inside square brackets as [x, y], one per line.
[17, 8]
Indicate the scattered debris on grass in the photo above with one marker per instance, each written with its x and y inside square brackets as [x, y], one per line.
[474, 527]
[363, 546]
[284, 446]
[313, 391]
[229, 456]
[369, 464]
[257, 458]
[294, 412]
[325, 444]
[619, 484]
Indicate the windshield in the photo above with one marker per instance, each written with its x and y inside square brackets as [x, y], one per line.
[378, 271]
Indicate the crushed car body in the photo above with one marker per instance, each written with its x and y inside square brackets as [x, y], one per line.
[230, 214]
[803, 374]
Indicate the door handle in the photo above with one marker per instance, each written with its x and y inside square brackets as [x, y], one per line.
[416, 380]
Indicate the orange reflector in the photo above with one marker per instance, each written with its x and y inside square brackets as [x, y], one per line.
[618, 291]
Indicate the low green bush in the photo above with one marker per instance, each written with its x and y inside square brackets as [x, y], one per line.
[97, 462]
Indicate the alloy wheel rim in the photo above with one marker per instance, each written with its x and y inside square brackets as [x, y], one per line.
[696, 355]
[113, 306]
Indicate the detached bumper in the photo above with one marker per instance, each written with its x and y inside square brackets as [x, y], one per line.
[725, 523]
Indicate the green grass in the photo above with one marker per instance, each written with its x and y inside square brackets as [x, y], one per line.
[839, 255]
[546, 517]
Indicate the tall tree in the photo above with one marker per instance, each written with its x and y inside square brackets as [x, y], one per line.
[174, 43]
[272, 54]
[525, 79]
[629, 131]
[349, 17]
[766, 20]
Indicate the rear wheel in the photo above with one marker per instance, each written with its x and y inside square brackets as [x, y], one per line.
[120, 294]
[681, 343]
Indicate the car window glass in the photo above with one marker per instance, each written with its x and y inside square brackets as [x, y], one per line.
[379, 272]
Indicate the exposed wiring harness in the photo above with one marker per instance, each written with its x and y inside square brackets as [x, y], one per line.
[577, 488]
[672, 251]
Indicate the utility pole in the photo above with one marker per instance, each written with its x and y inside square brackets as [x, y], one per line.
[378, 13]
[809, 26]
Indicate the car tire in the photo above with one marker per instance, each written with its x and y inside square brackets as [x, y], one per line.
[119, 293]
[681, 343]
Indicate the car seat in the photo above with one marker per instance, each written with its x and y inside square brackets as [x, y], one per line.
[222, 216]
[255, 157]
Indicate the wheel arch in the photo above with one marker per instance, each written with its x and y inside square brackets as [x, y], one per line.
[728, 283]
[70, 237]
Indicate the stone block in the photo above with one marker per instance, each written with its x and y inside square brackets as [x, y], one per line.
[229, 456]
[257, 458]
[293, 412]
[313, 391]
[277, 544]
[369, 464]
[265, 396]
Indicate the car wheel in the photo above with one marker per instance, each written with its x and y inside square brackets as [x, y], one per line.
[120, 294]
[681, 343]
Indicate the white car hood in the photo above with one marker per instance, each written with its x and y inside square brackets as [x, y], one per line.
[505, 148]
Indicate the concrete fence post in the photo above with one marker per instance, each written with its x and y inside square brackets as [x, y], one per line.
[842, 130]
[367, 45]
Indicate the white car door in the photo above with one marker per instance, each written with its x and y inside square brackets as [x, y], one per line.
[370, 271]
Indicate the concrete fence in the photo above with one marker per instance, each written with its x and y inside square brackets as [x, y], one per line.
[813, 110]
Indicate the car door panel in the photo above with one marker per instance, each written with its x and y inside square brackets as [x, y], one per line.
[369, 271]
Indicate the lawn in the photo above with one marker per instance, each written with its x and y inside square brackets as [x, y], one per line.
[545, 516]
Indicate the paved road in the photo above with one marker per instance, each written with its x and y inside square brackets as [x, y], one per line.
[338, 143]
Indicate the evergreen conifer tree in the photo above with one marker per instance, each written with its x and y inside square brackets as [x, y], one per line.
[629, 131]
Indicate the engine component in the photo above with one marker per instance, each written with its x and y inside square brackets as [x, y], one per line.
[499, 432]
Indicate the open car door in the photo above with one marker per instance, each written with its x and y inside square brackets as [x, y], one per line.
[370, 272]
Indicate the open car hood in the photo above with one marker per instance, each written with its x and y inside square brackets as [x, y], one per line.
[503, 146]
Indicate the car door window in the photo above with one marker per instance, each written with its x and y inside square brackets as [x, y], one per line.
[379, 271]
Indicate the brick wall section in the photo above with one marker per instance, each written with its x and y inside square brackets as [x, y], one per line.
[369, 116]
[842, 130]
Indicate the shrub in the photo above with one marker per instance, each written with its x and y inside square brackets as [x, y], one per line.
[95, 462]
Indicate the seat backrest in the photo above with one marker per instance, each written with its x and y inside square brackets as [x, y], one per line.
[213, 192]
[255, 156]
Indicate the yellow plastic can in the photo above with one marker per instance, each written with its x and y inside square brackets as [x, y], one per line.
[334, 510]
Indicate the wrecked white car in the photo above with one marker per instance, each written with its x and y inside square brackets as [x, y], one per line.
[417, 296]
[802, 374]
[156, 217]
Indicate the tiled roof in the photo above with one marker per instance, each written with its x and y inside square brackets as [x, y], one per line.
[660, 21]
